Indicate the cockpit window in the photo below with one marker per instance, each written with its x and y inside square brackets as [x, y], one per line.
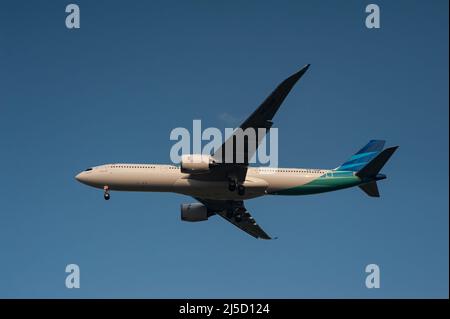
[88, 169]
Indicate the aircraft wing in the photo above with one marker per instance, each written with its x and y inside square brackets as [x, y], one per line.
[235, 163]
[236, 213]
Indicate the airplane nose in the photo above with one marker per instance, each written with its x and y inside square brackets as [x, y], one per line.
[79, 177]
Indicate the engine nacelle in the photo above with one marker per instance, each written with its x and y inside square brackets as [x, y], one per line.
[195, 212]
[196, 163]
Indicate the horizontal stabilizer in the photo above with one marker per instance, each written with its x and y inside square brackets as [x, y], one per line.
[370, 189]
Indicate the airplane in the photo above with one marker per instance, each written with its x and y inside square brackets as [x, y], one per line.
[221, 186]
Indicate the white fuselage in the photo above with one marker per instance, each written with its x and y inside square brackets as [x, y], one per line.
[169, 178]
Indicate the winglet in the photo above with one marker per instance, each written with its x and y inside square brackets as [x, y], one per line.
[263, 115]
[305, 68]
[290, 81]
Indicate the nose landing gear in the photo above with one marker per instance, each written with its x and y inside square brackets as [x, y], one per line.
[106, 195]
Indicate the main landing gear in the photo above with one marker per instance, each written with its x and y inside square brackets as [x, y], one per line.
[106, 193]
[241, 190]
[233, 184]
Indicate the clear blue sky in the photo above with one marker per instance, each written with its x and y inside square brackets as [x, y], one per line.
[113, 90]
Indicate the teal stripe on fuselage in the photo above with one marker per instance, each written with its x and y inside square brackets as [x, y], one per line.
[325, 183]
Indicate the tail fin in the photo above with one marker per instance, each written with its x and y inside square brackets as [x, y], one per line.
[374, 166]
[371, 170]
[363, 156]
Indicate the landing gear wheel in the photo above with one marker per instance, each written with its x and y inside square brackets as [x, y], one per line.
[238, 218]
[232, 186]
[106, 194]
[241, 190]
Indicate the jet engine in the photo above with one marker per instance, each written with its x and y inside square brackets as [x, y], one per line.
[196, 163]
[195, 212]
